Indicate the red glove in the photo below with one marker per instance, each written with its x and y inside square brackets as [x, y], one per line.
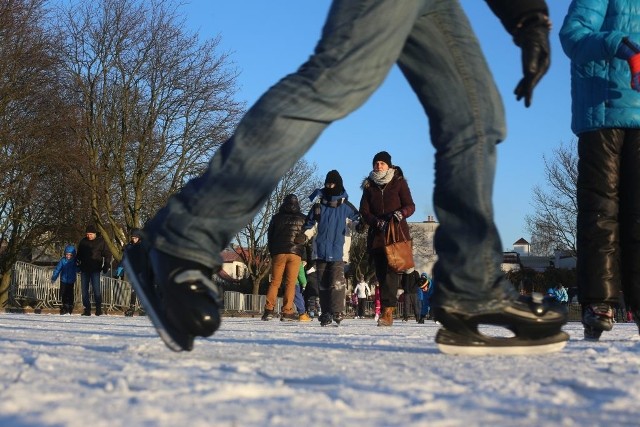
[630, 51]
[634, 66]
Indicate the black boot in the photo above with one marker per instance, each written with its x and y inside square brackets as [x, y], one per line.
[178, 295]
[86, 312]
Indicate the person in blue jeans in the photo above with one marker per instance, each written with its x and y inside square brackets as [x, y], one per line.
[93, 257]
[437, 51]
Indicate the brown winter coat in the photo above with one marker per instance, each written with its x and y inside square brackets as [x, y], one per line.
[380, 202]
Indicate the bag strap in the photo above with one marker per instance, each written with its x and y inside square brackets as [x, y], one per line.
[391, 236]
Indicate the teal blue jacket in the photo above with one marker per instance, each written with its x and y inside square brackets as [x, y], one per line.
[600, 83]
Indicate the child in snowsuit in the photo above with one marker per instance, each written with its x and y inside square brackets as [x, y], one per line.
[67, 269]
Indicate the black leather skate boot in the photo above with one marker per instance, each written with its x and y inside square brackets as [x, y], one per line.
[178, 295]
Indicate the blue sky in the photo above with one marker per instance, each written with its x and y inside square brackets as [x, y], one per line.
[268, 39]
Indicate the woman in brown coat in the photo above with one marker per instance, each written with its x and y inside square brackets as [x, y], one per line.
[385, 197]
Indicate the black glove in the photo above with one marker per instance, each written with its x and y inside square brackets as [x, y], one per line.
[300, 239]
[105, 269]
[398, 216]
[381, 225]
[532, 36]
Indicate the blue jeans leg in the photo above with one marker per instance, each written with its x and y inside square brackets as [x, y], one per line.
[97, 292]
[92, 279]
[434, 45]
[360, 43]
[466, 121]
[84, 283]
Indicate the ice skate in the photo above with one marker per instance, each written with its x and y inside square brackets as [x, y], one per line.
[178, 295]
[337, 318]
[591, 333]
[289, 317]
[596, 318]
[325, 319]
[535, 325]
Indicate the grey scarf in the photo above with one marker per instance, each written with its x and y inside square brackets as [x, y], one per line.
[382, 178]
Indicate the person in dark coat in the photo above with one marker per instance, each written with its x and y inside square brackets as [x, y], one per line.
[410, 284]
[386, 201]
[135, 239]
[286, 246]
[93, 257]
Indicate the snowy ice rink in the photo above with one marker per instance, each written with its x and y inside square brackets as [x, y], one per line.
[114, 371]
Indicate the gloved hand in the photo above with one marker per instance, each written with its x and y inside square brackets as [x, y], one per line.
[105, 269]
[532, 36]
[398, 216]
[381, 225]
[300, 239]
[630, 52]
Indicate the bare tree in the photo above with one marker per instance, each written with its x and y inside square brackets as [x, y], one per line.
[251, 241]
[153, 104]
[553, 225]
[35, 201]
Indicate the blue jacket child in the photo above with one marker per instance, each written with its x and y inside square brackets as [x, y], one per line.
[67, 270]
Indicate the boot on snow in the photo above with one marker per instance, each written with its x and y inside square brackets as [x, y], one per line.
[387, 316]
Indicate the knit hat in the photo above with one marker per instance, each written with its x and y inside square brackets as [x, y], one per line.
[91, 229]
[382, 156]
[333, 177]
[136, 232]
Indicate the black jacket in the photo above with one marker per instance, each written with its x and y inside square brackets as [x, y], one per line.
[410, 282]
[283, 229]
[93, 255]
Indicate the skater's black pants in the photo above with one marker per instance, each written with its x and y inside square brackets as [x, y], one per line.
[608, 227]
[333, 286]
[67, 295]
[411, 301]
[361, 306]
[389, 280]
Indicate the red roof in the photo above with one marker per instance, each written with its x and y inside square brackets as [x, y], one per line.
[230, 256]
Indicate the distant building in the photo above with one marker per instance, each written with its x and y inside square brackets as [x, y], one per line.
[521, 257]
[522, 247]
[232, 265]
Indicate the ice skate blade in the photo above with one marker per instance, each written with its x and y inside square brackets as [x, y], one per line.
[150, 308]
[454, 344]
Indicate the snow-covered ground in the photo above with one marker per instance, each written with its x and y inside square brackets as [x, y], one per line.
[114, 371]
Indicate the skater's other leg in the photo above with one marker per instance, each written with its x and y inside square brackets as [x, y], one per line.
[598, 229]
[466, 121]
[630, 220]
